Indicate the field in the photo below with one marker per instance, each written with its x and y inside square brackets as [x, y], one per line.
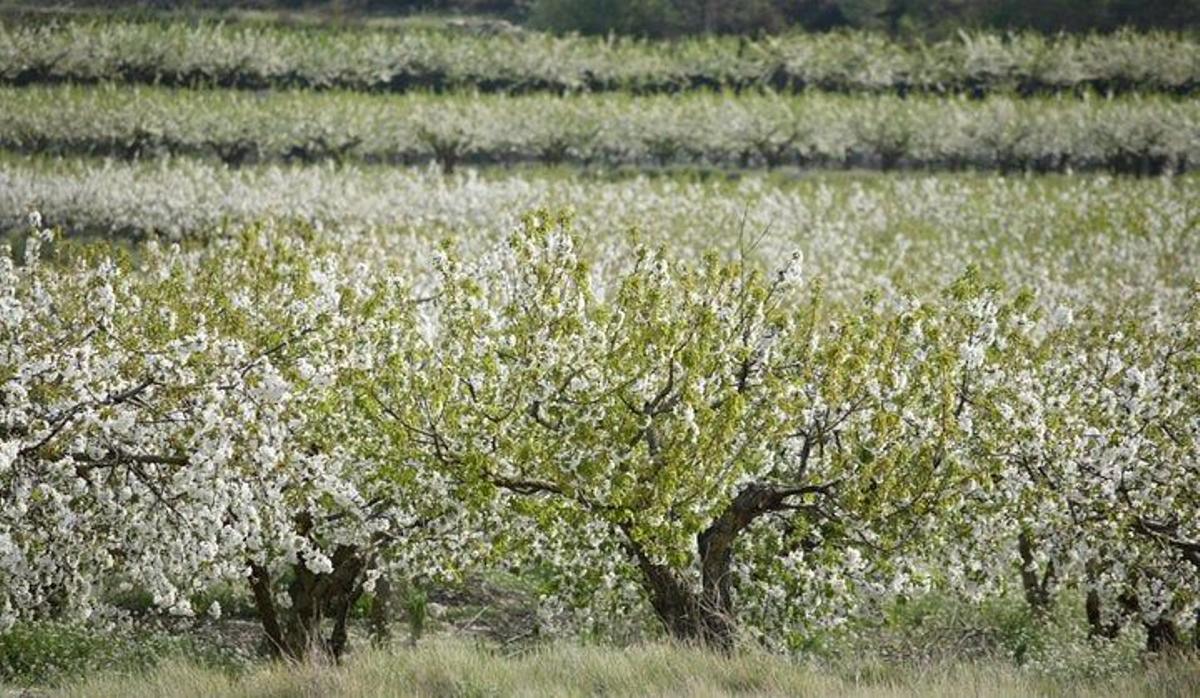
[440, 356]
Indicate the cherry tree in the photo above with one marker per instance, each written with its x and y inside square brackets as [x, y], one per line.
[1091, 438]
[724, 430]
[174, 418]
[1130, 483]
[288, 411]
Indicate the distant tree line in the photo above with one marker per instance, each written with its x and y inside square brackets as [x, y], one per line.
[680, 17]
[665, 18]
[677, 17]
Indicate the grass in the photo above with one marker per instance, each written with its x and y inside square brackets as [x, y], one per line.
[459, 668]
[56, 654]
[931, 646]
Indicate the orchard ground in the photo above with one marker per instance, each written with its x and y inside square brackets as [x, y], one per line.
[481, 640]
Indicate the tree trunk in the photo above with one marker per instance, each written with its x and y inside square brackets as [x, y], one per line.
[314, 597]
[715, 545]
[1094, 606]
[677, 606]
[303, 625]
[342, 593]
[260, 585]
[1037, 589]
[1097, 628]
[706, 615]
[381, 612]
[1162, 635]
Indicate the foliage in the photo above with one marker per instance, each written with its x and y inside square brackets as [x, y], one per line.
[908, 17]
[1097, 240]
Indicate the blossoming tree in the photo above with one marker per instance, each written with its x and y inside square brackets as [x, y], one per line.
[176, 418]
[723, 428]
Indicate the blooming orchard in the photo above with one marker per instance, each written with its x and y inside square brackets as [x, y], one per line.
[262, 55]
[1078, 241]
[1146, 135]
[725, 446]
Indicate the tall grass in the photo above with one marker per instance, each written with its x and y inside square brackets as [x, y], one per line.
[457, 668]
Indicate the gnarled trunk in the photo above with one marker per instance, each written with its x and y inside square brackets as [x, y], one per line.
[684, 611]
[296, 632]
[1162, 632]
[706, 615]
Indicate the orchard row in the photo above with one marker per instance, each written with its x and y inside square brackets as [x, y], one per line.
[1099, 240]
[720, 445]
[1145, 136]
[252, 56]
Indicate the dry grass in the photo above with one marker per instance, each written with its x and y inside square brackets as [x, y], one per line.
[456, 668]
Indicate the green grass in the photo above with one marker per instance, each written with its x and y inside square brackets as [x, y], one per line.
[457, 668]
[55, 654]
[933, 645]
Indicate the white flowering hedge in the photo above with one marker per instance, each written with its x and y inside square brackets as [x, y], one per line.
[1138, 135]
[721, 444]
[1095, 240]
[258, 56]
